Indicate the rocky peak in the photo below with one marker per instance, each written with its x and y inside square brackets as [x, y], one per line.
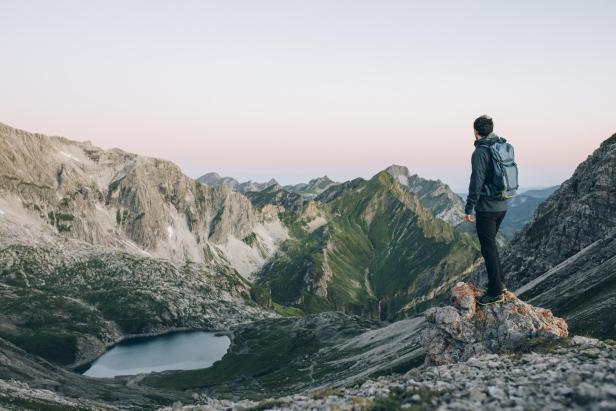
[312, 188]
[215, 180]
[129, 202]
[464, 329]
[434, 195]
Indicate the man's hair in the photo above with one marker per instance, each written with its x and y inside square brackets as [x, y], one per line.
[484, 125]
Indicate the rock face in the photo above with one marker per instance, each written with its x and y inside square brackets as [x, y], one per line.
[578, 214]
[465, 329]
[130, 203]
[564, 258]
[521, 210]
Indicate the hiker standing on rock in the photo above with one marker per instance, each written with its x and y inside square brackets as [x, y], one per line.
[494, 181]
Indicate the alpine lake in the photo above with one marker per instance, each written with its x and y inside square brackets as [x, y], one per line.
[181, 350]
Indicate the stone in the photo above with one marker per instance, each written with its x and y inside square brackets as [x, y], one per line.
[496, 393]
[574, 378]
[463, 330]
[477, 393]
[585, 393]
[584, 341]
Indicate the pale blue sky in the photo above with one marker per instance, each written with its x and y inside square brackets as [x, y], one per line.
[296, 89]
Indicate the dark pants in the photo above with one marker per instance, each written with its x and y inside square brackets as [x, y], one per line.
[487, 224]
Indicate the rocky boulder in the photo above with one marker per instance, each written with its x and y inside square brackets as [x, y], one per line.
[465, 329]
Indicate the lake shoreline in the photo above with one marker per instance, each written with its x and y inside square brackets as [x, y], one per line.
[82, 366]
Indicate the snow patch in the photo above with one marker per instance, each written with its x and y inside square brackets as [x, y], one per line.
[169, 231]
[67, 155]
[1, 211]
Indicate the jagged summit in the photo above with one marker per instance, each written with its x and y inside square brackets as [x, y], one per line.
[464, 329]
[435, 195]
[313, 188]
[214, 179]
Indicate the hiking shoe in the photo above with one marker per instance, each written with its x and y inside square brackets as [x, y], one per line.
[490, 299]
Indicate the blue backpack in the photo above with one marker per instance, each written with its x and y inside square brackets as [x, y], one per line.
[505, 179]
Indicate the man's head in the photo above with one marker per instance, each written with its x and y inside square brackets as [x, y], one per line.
[483, 126]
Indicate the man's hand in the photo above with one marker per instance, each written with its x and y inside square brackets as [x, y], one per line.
[469, 218]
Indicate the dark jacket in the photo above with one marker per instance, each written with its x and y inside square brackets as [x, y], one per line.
[483, 171]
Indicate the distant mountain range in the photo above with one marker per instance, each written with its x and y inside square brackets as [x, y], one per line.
[521, 209]
[307, 190]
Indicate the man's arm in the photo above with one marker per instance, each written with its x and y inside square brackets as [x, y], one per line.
[479, 163]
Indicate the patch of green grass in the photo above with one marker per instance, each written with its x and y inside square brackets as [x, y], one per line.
[399, 397]
[287, 311]
[267, 405]
[543, 345]
[250, 239]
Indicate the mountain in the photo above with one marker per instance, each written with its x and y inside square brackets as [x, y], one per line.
[215, 180]
[313, 188]
[131, 203]
[366, 246]
[276, 195]
[564, 257]
[434, 195]
[97, 244]
[522, 208]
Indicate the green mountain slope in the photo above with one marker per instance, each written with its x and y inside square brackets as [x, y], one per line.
[376, 251]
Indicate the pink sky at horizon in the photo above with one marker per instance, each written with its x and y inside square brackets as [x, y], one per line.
[294, 90]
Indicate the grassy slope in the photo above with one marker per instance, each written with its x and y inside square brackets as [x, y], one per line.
[381, 247]
[51, 306]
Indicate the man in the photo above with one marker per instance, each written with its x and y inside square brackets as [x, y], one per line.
[489, 210]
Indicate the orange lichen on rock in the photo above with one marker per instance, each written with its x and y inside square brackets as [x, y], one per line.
[465, 329]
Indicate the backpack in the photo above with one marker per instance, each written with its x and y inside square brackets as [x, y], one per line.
[505, 179]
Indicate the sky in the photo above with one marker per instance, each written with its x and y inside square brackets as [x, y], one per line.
[298, 89]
